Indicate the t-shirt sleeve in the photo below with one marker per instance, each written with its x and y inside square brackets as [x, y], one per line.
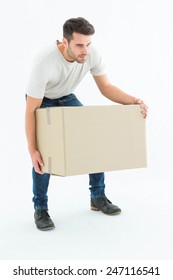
[37, 81]
[98, 66]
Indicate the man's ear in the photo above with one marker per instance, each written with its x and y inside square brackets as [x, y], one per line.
[65, 42]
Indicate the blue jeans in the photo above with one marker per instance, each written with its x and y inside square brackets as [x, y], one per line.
[41, 182]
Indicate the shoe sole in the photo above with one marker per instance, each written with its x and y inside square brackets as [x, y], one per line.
[109, 214]
[45, 229]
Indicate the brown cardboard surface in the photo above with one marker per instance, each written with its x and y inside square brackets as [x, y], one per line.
[90, 139]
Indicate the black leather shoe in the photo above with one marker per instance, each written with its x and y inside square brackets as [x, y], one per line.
[105, 205]
[43, 220]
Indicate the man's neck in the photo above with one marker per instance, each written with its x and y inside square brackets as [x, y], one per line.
[62, 49]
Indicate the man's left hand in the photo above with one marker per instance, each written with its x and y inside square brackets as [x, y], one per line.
[143, 106]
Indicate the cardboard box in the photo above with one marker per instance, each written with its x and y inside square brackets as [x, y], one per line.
[91, 139]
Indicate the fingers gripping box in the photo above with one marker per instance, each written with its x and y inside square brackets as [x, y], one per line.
[91, 139]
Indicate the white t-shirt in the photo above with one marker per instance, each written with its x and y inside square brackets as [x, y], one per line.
[52, 76]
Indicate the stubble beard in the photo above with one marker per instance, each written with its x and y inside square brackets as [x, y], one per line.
[76, 58]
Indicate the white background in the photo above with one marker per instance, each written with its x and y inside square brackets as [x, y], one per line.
[135, 39]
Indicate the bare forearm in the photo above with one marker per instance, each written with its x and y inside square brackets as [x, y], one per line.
[116, 95]
[112, 92]
[30, 131]
[30, 127]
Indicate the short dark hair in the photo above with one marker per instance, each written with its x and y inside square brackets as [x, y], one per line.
[78, 25]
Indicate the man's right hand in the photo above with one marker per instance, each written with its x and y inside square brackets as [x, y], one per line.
[37, 162]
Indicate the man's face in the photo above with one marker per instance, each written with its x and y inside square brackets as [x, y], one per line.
[78, 48]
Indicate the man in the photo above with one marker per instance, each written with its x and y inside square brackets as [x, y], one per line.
[55, 75]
